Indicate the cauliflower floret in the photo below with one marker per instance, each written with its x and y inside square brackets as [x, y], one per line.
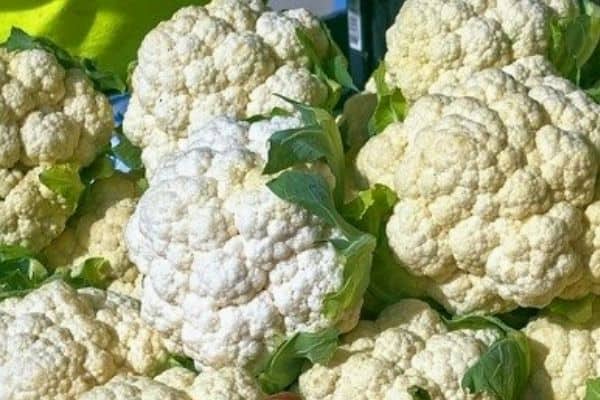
[229, 268]
[407, 346]
[58, 342]
[98, 231]
[436, 42]
[48, 116]
[494, 175]
[228, 58]
[564, 356]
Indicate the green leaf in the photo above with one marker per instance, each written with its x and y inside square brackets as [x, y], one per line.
[127, 154]
[418, 393]
[573, 42]
[391, 104]
[331, 69]
[101, 168]
[503, 370]
[276, 112]
[20, 271]
[286, 363]
[93, 272]
[181, 361]
[579, 311]
[310, 191]
[371, 209]
[592, 389]
[105, 82]
[318, 139]
[64, 180]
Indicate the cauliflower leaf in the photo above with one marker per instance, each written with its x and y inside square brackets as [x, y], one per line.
[592, 390]
[391, 104]
[64, 180]
[288, 360]
[503, 370]
[574, 44]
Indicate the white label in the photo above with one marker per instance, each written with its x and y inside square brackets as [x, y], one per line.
[355, 26]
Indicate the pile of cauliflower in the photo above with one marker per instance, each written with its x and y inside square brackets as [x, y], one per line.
[275, 244]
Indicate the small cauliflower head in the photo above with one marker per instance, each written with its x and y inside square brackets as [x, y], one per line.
[564, 355]
[48, 116]
[435, 42]
[98, 231]
[58, 343]
[128, 387]
[407, 346]
[494, 176]
[228, 267]
[227, 58]
[180, 384]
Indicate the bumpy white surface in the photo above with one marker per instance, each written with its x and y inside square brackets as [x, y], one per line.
[496, 175]
[58, 343]
[180, 384]
[48, 116]
[408, 345]
[564, 356]
[99, 232]
[228, 58]
[436, 42]
[228, 266]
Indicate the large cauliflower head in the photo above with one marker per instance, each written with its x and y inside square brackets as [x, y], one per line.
[564, 355]
[408, 346]
[98, 231]
[434, 42]
[227, 58]
[229, 267]
[48, 116]
[494, 175]
[58, 342]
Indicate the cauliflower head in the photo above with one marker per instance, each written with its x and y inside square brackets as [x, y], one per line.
[228, 267]
[227, 58]
[59, 342]
[407, 346]
[496, 178]
[436, 42]
[128, 387]
[48, 116]
[180, 384]
[98, 231]
[564, 355]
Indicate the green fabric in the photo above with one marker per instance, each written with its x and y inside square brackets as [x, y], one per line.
[109, 31]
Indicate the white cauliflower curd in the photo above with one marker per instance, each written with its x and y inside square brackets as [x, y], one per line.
[229, 268]
[496, 177]
[48, 116]
[437, 42]
[229, 57]
[407, 347]
[59, 342]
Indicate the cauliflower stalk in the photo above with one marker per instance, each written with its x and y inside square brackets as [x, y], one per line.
[410, 351]
[496, 177]
[235, 262]
[230, 57]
